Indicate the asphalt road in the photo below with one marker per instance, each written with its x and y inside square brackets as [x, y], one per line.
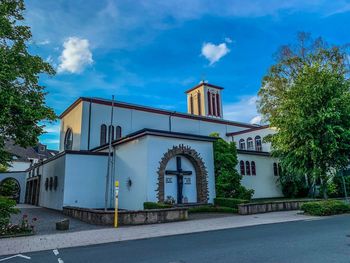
[326, 240]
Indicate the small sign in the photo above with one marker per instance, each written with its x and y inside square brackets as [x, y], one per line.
[187, 180]
[116, 188]
[169, 180]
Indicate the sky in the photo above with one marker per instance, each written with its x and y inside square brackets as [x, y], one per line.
[149, 52]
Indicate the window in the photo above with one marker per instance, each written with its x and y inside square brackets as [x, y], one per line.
[110, 132]
[258, 146]
[275, 169]
[68, 139]
[247, 167]
[241, 164]
[191, 104]
[103, 134]
[199, 103]
[253, 168]
[242, 144]
[218, 105]
[250, 144]
[50, 183]
[118, 132]
[209, 103]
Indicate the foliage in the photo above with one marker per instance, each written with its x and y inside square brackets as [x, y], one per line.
[325, 208]
[3, 168]
[7, 207]
[293, 186]
[336, 187]
[9, 188]
[24, 227]
[22, 99]
[212, 209]
[229, 202]
[305, 96]
[152, 205]
[227, 179]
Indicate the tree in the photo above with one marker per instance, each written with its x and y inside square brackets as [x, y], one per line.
[228, 180]
[305, 96]
[22, 99]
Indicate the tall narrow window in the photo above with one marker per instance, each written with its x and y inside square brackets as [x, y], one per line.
[103, 134]
[258, 146]
[68, 139]
[253, 168]
[275, 169]
[214, 105]
[242, 144]
[110, 133]
[199, 103]
[191, 104]
[247, 167]
[250, 145]
[209, 103]
[118, 132]
[218, 105]
[241, 165]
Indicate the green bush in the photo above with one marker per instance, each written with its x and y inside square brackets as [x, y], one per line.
[212, 209]
[229, 202]
[152, 205]
[7, 207]
[325, 208]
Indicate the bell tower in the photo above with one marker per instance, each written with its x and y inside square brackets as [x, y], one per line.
[205, 100]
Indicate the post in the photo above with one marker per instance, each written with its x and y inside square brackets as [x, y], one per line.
[116, 189]
[344, 186]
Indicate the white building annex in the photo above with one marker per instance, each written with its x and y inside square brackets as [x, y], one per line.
[157, 155]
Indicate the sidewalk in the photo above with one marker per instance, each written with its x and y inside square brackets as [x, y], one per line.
[106, 235]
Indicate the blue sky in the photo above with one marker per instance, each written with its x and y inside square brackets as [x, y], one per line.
[150, 52]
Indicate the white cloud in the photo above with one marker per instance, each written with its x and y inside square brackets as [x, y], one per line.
[44, 42]
[75, 56]
[256, 120]
[244, 110]
[52, 128]
[228, 40]
[213, 52]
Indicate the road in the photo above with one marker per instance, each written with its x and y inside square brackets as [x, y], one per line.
[325, 240]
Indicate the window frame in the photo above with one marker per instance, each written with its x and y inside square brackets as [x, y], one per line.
[247, 168]
[242, 167]
[253, 168]
[250, 141]
[258, 143]
[241, 143]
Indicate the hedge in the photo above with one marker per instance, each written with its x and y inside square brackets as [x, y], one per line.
[326, 208]
[152, 205]
[212, 209]
[229, 202]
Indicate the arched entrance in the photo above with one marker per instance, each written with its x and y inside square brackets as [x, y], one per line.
[201, 174]
[11, 188]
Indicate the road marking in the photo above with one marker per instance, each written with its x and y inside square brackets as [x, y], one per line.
[55, 251]
[18, 255]
[60, 260]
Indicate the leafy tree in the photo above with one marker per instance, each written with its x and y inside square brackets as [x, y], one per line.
[305, 96]
[228, 180]
[3, 168]
[22, 99]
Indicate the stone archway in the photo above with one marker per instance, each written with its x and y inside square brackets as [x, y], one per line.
[201, 171]
[10, 187]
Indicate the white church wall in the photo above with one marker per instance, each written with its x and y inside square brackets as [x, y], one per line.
[131, 163]
[264, 183]
[17, 166]
[158, 146]
[85, 183]
[52, 198]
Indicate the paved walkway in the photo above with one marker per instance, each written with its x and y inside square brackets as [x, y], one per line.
[106, 235]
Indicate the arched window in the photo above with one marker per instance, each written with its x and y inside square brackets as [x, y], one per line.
[218, 105]
[242, 144]
[209, 103]
[250, 145]
[247, 167]
[275, 169]
[199, 103]
[118, 130]
[213, 104]
[103, 134]
[191, 104]
[253, 168]
[241, 165]
[110, 132]
[68, 139]
[258, 146]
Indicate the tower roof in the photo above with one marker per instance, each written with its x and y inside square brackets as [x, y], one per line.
[204, 84]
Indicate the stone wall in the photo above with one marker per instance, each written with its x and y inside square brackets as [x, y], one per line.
[152, 216]
[273, 206]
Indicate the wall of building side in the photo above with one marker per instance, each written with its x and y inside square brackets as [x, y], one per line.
[158, 146]
[85, 180]
[266, 147]
[131, 165]
[21, 179]
[264, 183]
[199, 92]
[18, 166]
[206, 89]
[72, 120]
[52, 198]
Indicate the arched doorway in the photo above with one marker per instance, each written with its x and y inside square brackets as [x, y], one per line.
[11, 188]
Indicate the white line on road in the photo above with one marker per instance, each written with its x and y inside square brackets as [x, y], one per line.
[18, 255]
[55, 251]
[60, 260]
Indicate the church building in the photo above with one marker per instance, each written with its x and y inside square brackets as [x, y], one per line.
[157, 155]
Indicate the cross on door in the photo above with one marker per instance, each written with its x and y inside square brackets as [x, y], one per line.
[179, 174]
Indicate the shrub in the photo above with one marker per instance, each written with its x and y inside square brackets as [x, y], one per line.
[7, 207]
[229, 202]
[325, 208]
[212, 209]
[153, 205]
